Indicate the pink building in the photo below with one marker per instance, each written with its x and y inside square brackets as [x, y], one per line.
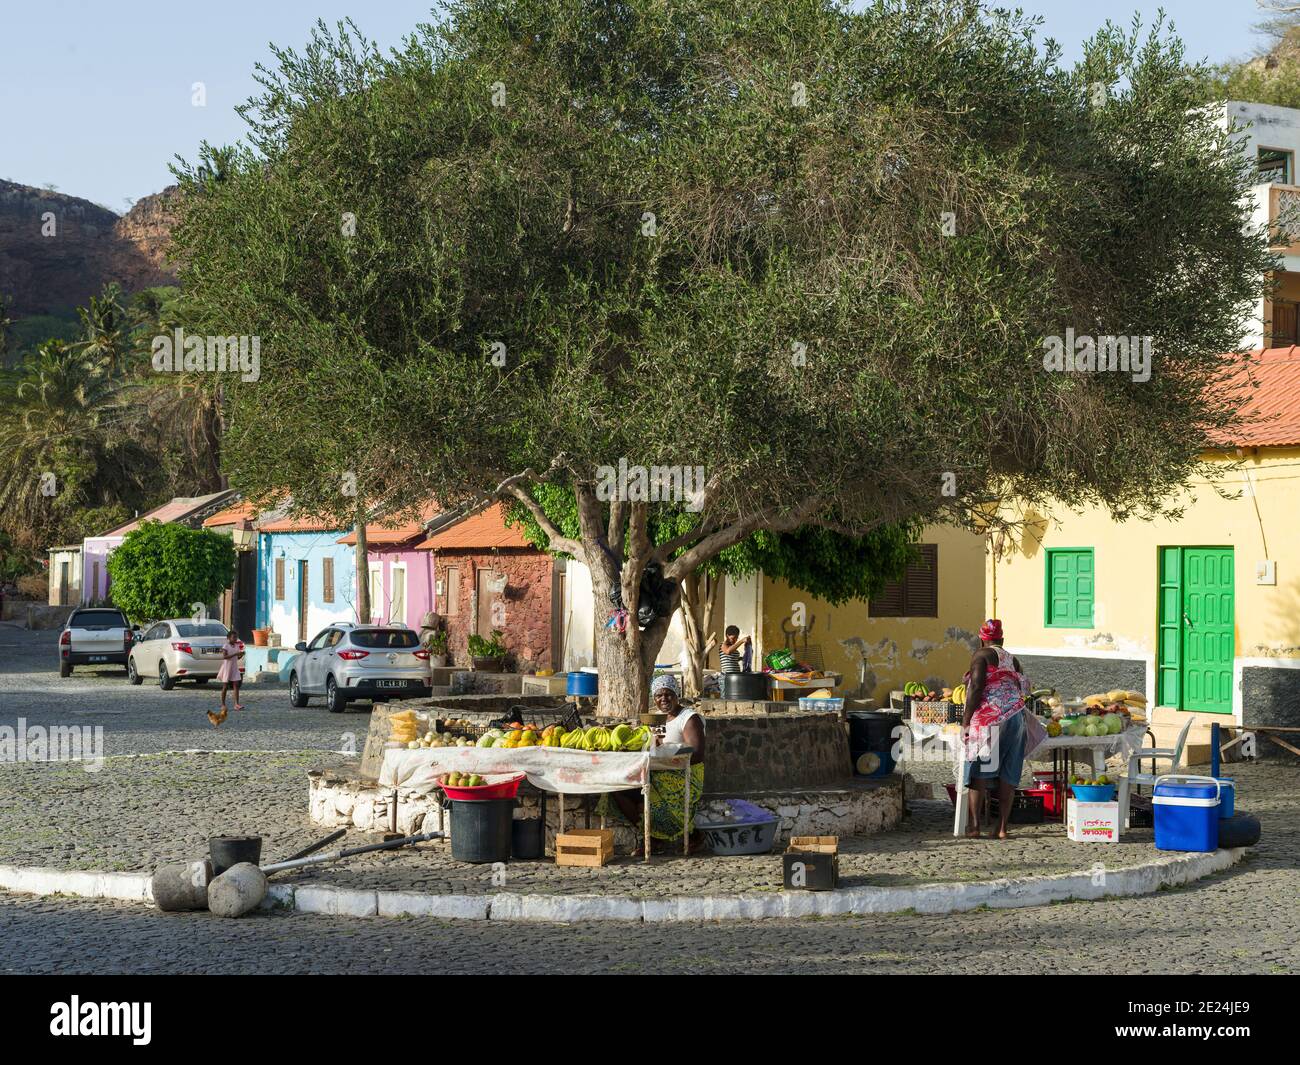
[188, 510]
[402, 584]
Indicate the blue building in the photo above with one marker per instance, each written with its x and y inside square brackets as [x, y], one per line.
[306, 579]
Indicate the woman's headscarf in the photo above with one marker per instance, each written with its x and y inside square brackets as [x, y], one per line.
[991, 630]
[665, 680]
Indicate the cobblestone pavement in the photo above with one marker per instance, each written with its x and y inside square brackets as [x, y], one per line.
[145, 719]
[143, 808]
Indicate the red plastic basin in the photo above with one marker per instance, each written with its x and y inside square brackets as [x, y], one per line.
[504, 788]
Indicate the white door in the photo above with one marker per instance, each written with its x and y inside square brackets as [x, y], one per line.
[376, 593]
[397, 593]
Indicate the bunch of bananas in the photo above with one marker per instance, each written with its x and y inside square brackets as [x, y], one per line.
[598, 738]
[915, 689]
[959, 695]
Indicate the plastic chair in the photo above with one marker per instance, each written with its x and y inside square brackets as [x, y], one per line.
[1136, 778]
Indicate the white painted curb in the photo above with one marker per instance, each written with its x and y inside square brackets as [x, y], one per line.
[330, 899]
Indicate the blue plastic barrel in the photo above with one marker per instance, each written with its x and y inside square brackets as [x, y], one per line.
[581, 683]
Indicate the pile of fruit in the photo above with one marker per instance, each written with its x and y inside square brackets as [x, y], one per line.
[1105, 714]
[1100, 781]
[622, 737]
[595, 738]
[462, 780]
[917, 690]
[403, 728]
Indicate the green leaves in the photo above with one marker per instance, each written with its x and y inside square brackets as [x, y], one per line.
[799, 161]
[161, 570]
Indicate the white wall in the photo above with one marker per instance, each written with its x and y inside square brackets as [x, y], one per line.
[582, 617]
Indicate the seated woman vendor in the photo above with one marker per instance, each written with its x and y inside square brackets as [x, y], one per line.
[668, 819]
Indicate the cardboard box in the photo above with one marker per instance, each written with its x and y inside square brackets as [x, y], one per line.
[811, 863]
[1092, 822]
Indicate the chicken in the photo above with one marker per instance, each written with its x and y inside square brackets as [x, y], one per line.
[216, 719]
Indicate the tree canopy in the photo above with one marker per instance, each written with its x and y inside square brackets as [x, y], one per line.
[815, 250]
[162, 570]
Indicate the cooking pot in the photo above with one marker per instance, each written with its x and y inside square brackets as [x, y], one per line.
[744, 685]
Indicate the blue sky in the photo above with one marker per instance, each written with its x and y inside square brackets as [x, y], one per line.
[95, 97]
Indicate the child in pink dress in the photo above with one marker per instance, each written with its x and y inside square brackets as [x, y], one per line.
[229, 674]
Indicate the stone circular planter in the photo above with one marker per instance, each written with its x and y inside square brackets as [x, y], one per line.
[438, 661]
[486, 665]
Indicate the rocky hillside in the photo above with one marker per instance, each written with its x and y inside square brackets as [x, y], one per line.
[89, 247]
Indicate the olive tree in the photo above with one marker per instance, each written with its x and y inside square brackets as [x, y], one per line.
[825, 258]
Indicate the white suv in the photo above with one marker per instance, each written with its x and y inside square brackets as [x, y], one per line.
[346, 662]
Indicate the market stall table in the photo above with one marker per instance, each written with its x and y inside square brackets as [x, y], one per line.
[784, 689]
[559, 770]
[1061, 749]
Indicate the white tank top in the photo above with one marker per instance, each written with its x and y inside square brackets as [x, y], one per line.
[675, 727]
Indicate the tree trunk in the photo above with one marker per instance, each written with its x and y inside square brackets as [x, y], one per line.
[699, 597]
[363, 570]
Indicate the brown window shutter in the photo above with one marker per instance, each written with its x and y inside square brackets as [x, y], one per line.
[916, 595]
[889, 603]
[279, 578]
[921, 585]
[327, 578]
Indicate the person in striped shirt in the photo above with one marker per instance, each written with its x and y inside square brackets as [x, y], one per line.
[729, 655]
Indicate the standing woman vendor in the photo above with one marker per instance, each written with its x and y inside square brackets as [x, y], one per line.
[667, 786]
[993, 727]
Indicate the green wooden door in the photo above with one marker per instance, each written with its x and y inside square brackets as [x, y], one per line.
[1208, 641]
[1196, 619]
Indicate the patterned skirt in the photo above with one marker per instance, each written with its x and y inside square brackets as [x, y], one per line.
[667, 790]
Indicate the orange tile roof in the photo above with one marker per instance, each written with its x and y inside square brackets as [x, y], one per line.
[169, 511]
[480, 531]
[231, 515]
[377, 533]
[281, 525]
[1268, 388]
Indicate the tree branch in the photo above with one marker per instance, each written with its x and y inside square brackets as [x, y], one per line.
[732, 534]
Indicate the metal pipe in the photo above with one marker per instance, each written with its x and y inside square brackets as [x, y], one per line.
[317, 845]
[334, 856]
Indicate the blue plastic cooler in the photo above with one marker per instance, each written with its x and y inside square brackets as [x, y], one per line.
[1227, 797]
[1186, 813]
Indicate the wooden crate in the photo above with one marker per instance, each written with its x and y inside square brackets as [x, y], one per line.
[815, 844]
[591, 847]
[811, 863]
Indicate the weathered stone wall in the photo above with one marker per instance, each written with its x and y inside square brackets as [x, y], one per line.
[526, 603]
[1079, 676]
[788, 751]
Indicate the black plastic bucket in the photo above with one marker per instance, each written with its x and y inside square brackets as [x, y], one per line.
[744, 686]
[526, 838]
[226, 851]
[871, 741]
[481, 829]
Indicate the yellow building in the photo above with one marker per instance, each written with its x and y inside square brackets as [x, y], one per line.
[922, 627]
[1203, 613]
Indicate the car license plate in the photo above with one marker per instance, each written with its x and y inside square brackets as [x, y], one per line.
[212, 650]
[98, 658]
[392, 683]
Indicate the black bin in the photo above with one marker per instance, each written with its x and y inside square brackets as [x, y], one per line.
[226, 851]
[871, 741]
[480, 829]
[527, 838]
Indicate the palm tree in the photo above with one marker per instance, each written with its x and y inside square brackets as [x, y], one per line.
[105, 324]
[66, 441]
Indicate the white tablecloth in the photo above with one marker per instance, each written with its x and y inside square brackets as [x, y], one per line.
[555, 769]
